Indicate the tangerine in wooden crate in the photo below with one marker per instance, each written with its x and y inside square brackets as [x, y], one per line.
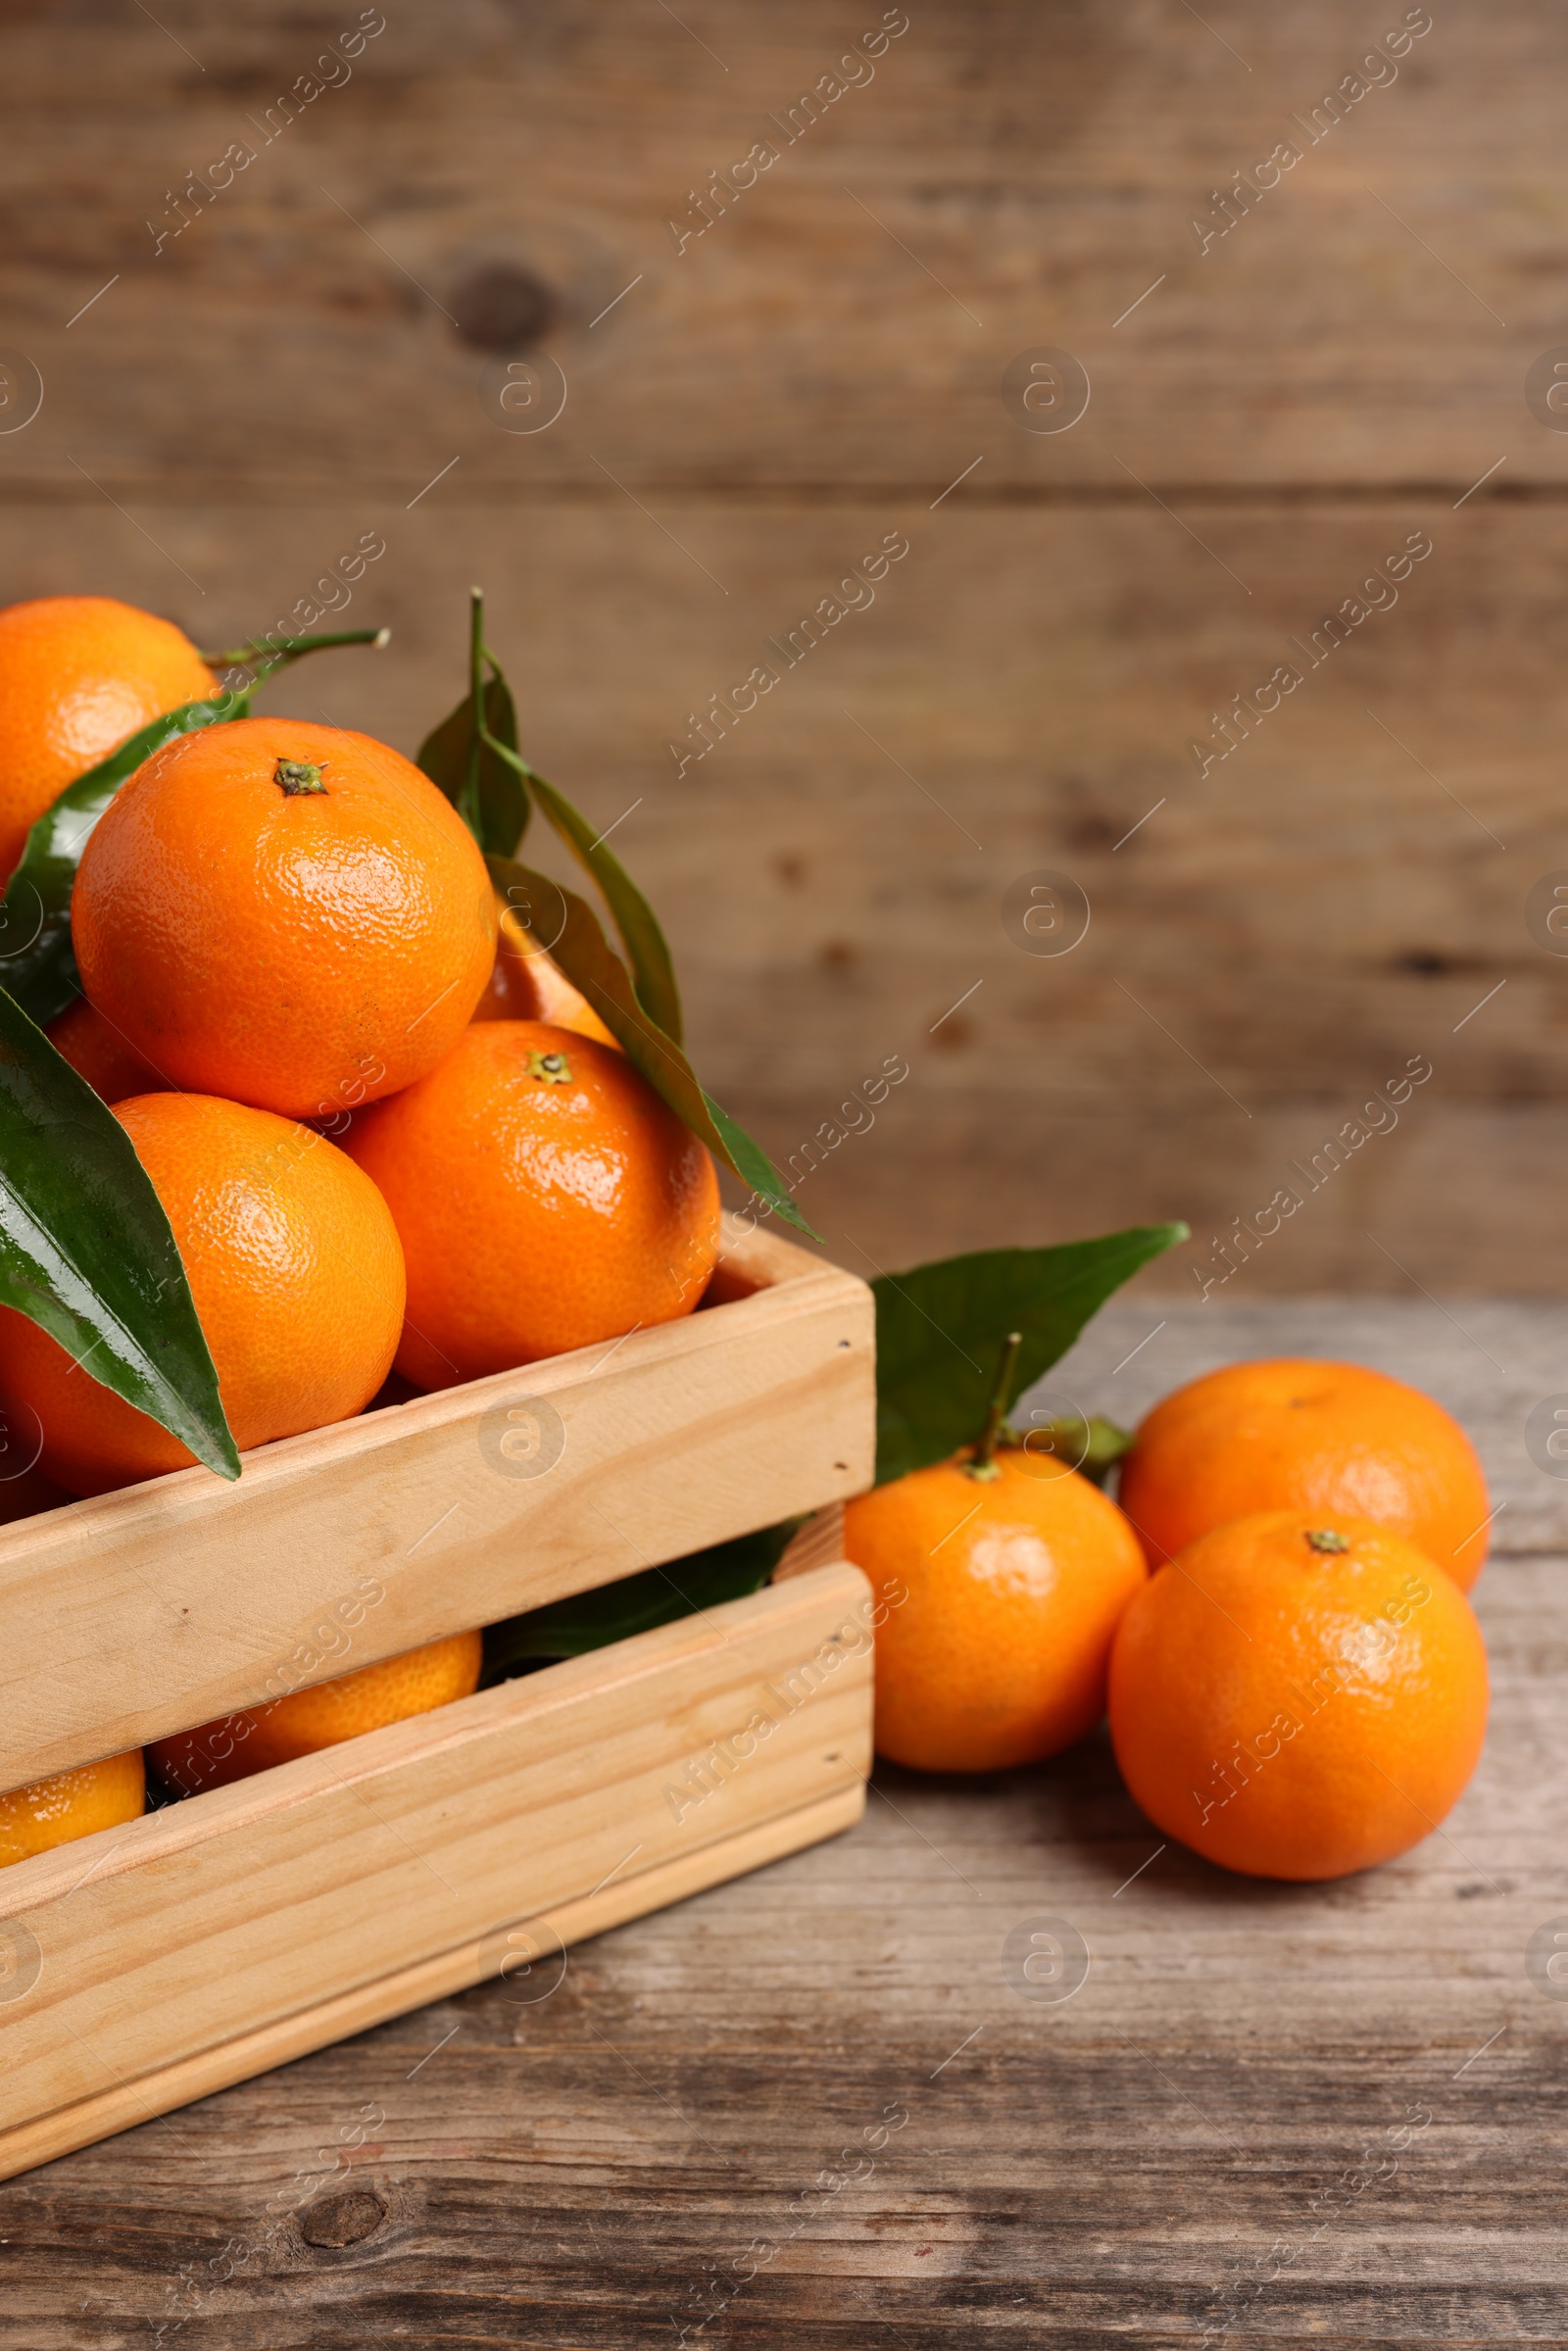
[156, 1960]
[277, 922]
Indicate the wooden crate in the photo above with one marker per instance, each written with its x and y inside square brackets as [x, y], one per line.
[154, 1962]
[149, 1611]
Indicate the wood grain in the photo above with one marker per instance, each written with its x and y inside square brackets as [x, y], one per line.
[760, 409]
[169, 1605]
[1276, 939]
[1003, 177]
[1279, 2115]
[1165, 2157]
[203, 1942]
[817, 1545]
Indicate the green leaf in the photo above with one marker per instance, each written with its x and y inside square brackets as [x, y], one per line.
[488, 794]
[940, 1331]
[1092, 1444]
[569, 930]
[652, 969]
[36, 963]
[86, 1251]
[727, 1571]
[473, 757]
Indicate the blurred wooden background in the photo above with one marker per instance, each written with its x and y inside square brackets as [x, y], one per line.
[316, 357]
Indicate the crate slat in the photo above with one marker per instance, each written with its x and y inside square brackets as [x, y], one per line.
[817, 1545]
[206, 1943]
[153, 1610]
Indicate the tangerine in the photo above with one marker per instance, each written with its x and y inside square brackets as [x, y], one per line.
[526, 984]
[1001, 1596]
[288, 914]
[78, 676]
[297, 1275]
[72, 1804]
[258, 1737]
[546, 1198]
[1298, 1694]
[81, 1036]
[24, 1493]
[1296, 1435]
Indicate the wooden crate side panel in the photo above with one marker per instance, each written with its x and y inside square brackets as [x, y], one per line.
[250, 1904]
[152, 1611]
[541, 1942]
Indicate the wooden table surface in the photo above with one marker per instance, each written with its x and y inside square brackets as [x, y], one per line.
[1269, 2114]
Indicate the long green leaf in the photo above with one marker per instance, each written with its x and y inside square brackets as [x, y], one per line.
[488, 794]
[36, 963]
[726, 1570]
[653, 969]
[86, 1251]
[940, 1331]
[473, 757]
[568, 927]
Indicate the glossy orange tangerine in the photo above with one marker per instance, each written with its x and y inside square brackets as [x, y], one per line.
[297, 1276]
[1291, 1434]
[79, 674]
[545, 1196]
[71, 1804]
[1002, 1599]
[288, 914]
[1298, 1694]
[256, 1737]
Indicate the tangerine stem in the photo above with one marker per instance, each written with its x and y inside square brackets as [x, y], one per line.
[275, 652]
[982, 1464]
[476, 657]
[468, 796]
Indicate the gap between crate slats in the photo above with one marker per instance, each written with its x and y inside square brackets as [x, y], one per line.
[203, 1944]
[152, 1611]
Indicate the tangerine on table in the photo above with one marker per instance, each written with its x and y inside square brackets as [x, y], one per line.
[79, 674]
[1015, 1587]
[288, 914]
[297, 1275]
[1298, 1694]
[525, 982]
[72, 1804]
[258, 1737]
[1297, 1435]
[544, 1196]
[81, 1036]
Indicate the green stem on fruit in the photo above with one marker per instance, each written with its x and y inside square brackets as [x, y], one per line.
[981, 1463]
[296, 776]
[468, 796]
[263, 655]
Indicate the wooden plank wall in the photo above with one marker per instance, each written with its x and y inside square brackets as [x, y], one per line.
[316, 360]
